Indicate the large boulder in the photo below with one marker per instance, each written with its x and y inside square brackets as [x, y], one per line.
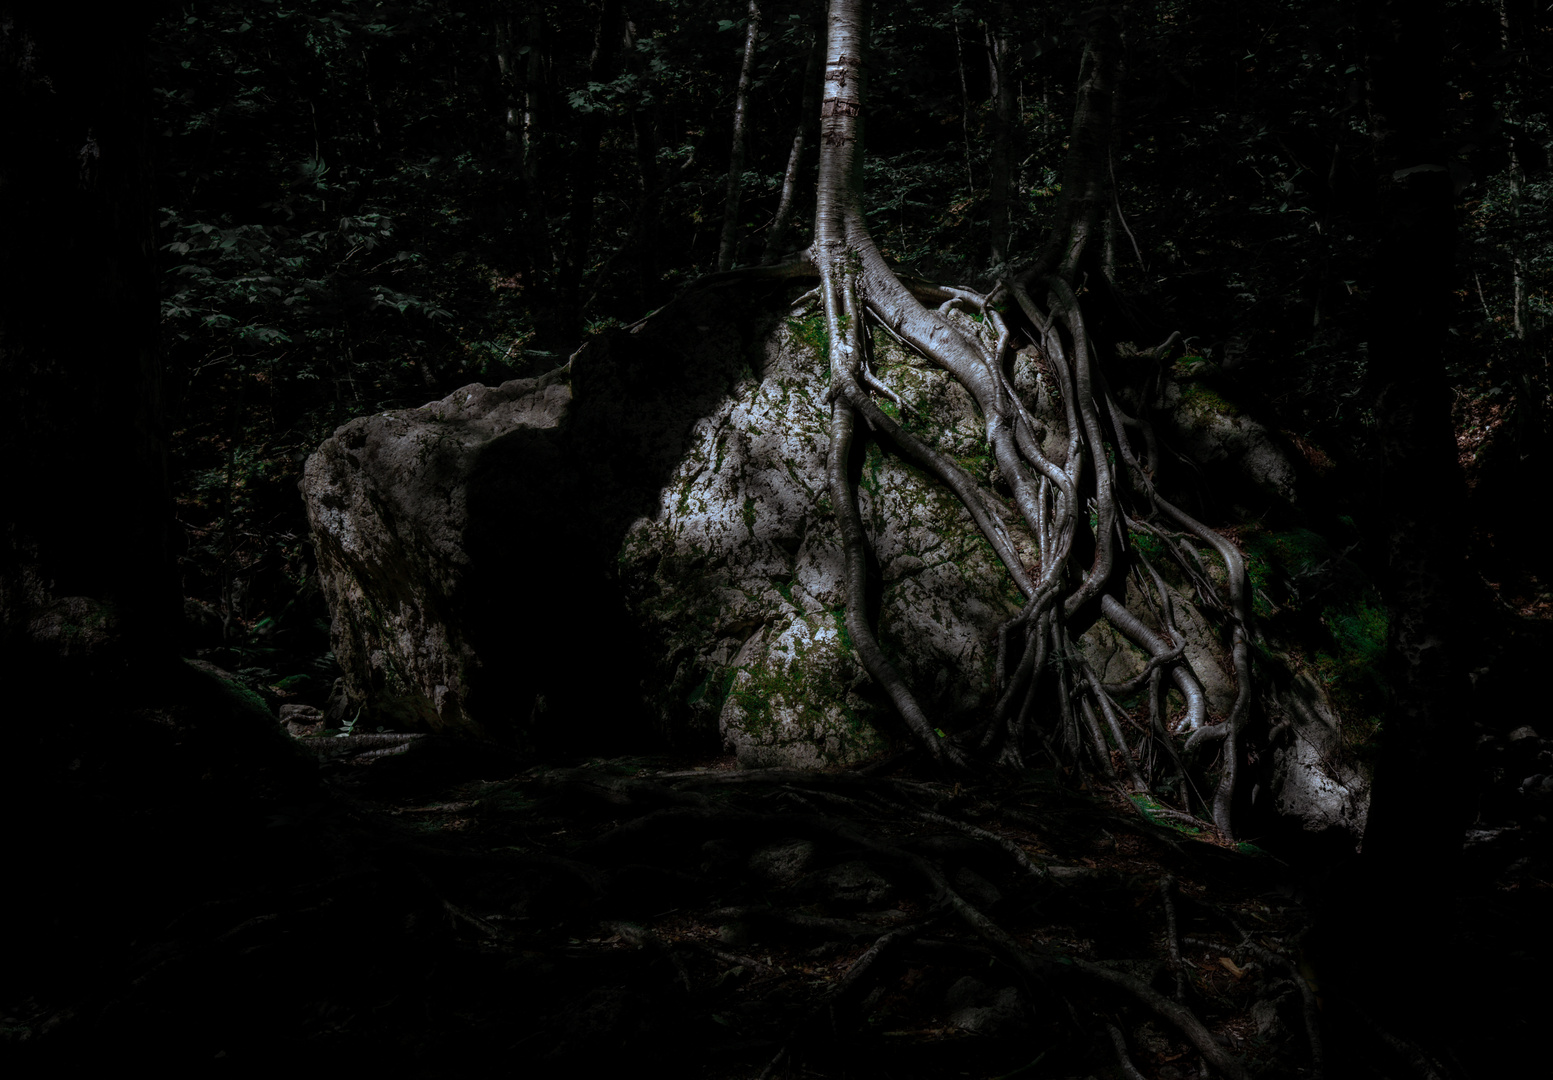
[388, 498]
[466, 547]
[643, 537]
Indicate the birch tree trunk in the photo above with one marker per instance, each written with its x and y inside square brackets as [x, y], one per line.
[777, 236]
[727, 249]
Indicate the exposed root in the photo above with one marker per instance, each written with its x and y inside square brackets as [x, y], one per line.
[1105, 534]
[1172, 936]
[591, 918]
[1081, 512]
[1177, 1014]
[1118, 1040]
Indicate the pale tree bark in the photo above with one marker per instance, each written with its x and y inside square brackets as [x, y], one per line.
[727, 248]
[1077, 569]
[857, 285]
[776, 237]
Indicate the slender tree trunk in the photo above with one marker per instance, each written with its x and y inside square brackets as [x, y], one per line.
[1004, 104]
[650, 188]
[776, 237]
[518, 61]
[1085, 174]
[1517, 177]
[727, 249]
[85, 499]
[965, 105]
[372, 111]
[602, 67]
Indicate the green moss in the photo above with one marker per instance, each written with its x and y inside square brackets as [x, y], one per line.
[754, 700]
[811, 333]
[1199, 397]
[1150, 546]
[234, 694]
[1275, 558]
[978, 465]
[687, 484]
[1359, 631]
[1353, 668]
[872, 463]
[748, 514]
[840, 615]
[1150, 809]
[1301, 582]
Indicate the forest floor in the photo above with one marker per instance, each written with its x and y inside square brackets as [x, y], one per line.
[452, 908]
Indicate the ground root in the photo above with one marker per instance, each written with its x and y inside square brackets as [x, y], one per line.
[577, 920]
[869, 924]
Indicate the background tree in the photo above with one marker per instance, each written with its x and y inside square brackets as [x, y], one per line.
[86, 501]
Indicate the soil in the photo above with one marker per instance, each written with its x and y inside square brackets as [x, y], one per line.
[451, 907]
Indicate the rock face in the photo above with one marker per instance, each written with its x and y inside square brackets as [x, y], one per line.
[388, 500]
[465, 547]
[1239, 455]
[739, 571]
[642, 539]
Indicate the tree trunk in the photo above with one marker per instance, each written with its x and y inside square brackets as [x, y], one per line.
[1415, 821]
[1073, 581]
[965, 105]
[650, 188]
[1085, 173]
[518, 61]
[601, 68]
[87, 509]
[727, 249]
[1383, 938]
[1000, 56]
[777, 236]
